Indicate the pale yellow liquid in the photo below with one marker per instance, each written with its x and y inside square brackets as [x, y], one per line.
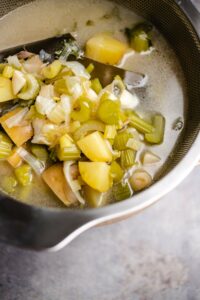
[165, 92]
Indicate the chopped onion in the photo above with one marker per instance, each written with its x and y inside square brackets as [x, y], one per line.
[37, 165]
[33, 65]
[150, 158]
[77, 68]
[128, 100]
[70, 181]
[74, 86]
[14, 61]
[44, 105]
[39, 137]
[24, 54]
[17, 118]
[47, 91]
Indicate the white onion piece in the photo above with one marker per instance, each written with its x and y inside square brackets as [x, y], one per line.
[77, 68]
[47, 91]
[150, 158]
[14, 61]
[18, 81]
[44, 105]
[129, 100]
[17, 118]
[74, 86]
[37, 165]
[33, 65]
[70, 181]
[39, 137]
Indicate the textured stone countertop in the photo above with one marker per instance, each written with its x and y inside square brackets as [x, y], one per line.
[153, 256]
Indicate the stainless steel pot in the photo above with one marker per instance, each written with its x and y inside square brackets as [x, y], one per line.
[42, 228]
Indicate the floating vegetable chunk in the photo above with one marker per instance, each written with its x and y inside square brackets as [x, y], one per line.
[31, 89]
[14, 159]
[140, 180]
[18, 81]
[6, 92]
[18, 134]
[94, 146]
[106, 49]
[96, 175]
[24, 174]
[94, 198]
[52, 70]
[5, 146]
[158, 134]
[55, 179]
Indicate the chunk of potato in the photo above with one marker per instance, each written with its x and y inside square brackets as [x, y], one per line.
[18, 134]
[106, 49]
[94, 198]
[96, 175]
[55, 179]
[6, 92]
[95, 147]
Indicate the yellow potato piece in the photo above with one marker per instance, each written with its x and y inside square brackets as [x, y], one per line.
[96, 175]
[106, 49]
[18, 134]
[55, 179]
[95, 147]
[6, 92]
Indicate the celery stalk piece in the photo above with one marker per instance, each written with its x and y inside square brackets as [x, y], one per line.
[122, 191]
[110, 132]
[8, 71]
[52, 70]
[24, 174]
[140, 124]
[96, 85]
[128, 158]
[90, 68]
[116, 172]
[84, 111]
[120, 142]
[40, 152]
[31, 89]
[157, 136]
[5, 146]
[61, 86]
[87, 127]
[69, 153]
[109, 112]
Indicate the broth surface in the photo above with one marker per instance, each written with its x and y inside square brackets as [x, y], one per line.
[165, 92]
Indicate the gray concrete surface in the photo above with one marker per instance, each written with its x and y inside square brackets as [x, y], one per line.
[155, 255]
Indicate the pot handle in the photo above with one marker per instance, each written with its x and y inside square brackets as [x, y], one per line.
[190, 9]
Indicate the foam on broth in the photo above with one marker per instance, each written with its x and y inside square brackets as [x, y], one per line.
[165, 92]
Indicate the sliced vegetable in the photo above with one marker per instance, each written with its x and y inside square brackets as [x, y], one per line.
[106, 49]
[127, 158]
[134, 144]
[139, 37]
[72, 183]
[68, 153]
[9, 184]
[96, 175]
[17, 119]
[14, 159]
[94, 198]
[110, 132]
[77, 68]
[14, 61]
[90, 68]
[37, 165]
[95, 148]
[140, 180]
[18, 134]
[24, 175]
[122, 191]
[44, 105]
[18, 81]
[52, 70]
[150, 158]
[116, 172]
[8, 71]
[61, 86]
[157, 136]
[40, 152]
[6, 92]
[82, 112]
[31, 89]
[109, 112]
[140, 124]
[129, 100]
[96, 85]
[87, 127]
[33, 65]
[55, 179]
[121, 140]
[5, 146]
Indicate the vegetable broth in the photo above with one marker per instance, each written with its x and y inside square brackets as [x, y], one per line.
[165, 92]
